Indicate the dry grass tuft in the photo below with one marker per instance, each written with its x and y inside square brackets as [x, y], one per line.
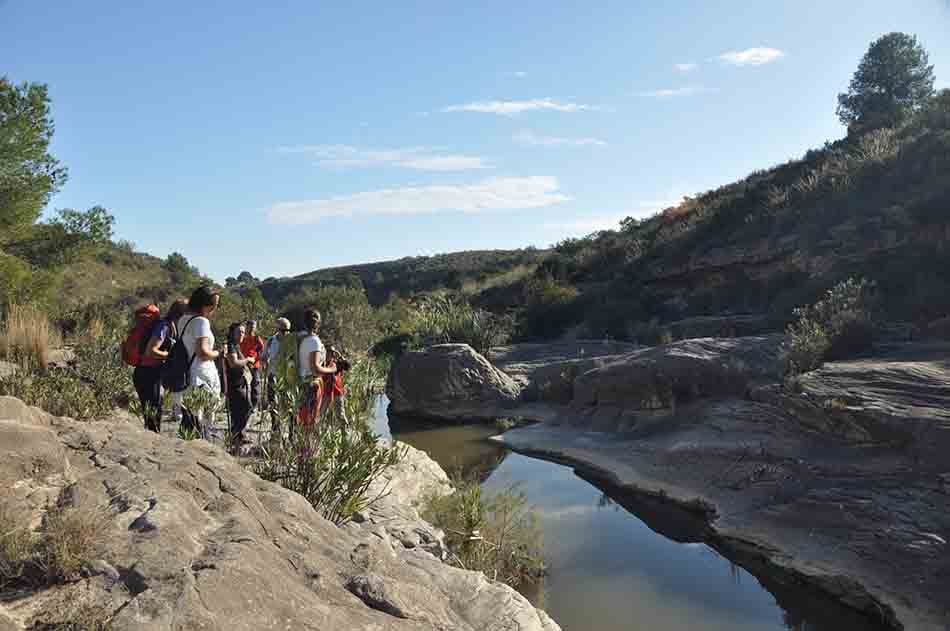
[16, 546]
[69, 539]
[27, 336]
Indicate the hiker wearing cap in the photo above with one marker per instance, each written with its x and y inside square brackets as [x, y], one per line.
[252, 346]
[269, 360]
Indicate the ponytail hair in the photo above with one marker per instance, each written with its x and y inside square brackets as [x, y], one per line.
[311, 320]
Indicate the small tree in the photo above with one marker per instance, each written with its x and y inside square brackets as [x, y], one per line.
[28, 173]
[893, 80]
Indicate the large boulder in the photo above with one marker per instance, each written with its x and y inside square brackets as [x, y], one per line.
[450, 382]
[192, 540]
[660, 377]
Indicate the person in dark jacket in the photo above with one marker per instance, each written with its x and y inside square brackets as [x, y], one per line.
[239, 384]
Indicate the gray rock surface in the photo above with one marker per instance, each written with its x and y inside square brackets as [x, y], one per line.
[660, 377]
[193, 541]
[449, 381]
[841, 483]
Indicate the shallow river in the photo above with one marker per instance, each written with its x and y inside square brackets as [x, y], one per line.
[608, 570]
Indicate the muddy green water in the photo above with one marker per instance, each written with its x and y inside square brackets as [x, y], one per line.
[608, 570]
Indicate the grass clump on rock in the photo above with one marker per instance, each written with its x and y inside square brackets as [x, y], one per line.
[65, 544]
[493, 533]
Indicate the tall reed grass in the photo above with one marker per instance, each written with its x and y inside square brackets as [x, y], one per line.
[27, 336]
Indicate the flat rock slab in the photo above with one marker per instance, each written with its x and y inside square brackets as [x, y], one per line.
[864, 525]
[662, 376]
[193, 540]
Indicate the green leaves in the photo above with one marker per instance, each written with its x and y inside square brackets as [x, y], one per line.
[29, 175]
[893, 80]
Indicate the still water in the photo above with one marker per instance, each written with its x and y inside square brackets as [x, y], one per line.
[608, 570]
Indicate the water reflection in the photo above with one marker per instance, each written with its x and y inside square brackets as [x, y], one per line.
[618, 562]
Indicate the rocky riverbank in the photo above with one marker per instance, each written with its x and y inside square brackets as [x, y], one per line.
[837, 482]
[193, 540]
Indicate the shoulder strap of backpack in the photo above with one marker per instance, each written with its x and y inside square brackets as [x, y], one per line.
[191, 360]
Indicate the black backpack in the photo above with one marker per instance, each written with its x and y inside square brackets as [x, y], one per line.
[177, 369]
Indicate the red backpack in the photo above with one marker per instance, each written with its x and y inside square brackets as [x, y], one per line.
[133, 348]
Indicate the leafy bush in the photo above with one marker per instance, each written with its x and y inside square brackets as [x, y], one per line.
[27, 336]
[332, 463]
[496, 534]
[837, 326]
[348, 319]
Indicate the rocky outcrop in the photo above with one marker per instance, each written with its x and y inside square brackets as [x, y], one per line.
[192, 540]
[837, 483]
[662, 376]
[546, 372]
[721, 326]
[451, 382]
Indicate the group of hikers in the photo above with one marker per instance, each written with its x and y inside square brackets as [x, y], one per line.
[177, 353]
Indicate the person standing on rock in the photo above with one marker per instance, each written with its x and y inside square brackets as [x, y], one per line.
[311, 368]
[198, 338]
[239, 383]
[147, 376]
[252, 347]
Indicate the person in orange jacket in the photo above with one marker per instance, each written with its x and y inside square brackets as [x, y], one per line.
[251, 347]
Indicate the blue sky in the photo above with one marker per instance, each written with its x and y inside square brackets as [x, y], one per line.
[281, 140]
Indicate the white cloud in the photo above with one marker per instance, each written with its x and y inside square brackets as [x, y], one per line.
[419, 158]
[686, 67]
[751, 56]
[511, 108]
[521, 74]
[498, 193]
[666, 93]
[527, 137]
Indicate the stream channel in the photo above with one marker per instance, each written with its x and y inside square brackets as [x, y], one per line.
[607, 568]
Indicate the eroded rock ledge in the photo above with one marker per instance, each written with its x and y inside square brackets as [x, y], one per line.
[195, 541]
[840, 482]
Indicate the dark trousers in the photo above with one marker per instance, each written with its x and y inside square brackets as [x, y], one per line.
[239, 406]
[255, 387]
[148, 385]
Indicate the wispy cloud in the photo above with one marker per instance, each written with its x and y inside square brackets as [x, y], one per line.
[419, 158]
[527, 137]
[666, 93]
[498, 193]
[511, 108]
[751, 56]
[520, 74]
[686, 67]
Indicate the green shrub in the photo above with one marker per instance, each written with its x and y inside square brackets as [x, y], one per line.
[496, 534]
[837, 326]
[333, 463]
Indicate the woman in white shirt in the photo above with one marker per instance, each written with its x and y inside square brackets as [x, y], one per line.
[311, 367]
[195, 333]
